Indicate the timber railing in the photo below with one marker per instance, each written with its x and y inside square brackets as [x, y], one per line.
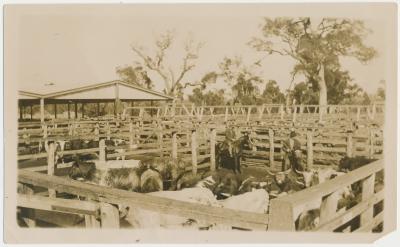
[251, 112]
[100, 212]
[285, 210]
[195, 143]
[238, 113]
[194, 146]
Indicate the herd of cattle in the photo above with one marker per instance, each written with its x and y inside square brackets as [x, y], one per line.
[222, 188]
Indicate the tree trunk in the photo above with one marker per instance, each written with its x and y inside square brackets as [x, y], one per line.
[323, 91]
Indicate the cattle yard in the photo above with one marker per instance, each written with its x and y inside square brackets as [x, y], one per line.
[327, 134]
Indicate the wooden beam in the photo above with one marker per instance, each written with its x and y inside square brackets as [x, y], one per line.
[271, 147]
[194, 152]
[83, 109]
[174, 146]
[21, 115]
[116, 102]
[76, 110]
[109, 216]
[367, 192]
[51, 165]
[69, 111]
[197, 211]
[27, 214]
[42, 110]
[213, 136]
[55, 110]
[57, 204]
[304, 196]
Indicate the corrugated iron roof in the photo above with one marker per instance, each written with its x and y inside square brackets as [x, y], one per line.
[54, 90]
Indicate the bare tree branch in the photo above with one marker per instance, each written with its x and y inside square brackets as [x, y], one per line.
[149, 63]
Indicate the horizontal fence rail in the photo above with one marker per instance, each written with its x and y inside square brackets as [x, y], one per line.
[285, 210]
[158, 204]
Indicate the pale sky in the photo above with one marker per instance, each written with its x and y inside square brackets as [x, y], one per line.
[74, 46]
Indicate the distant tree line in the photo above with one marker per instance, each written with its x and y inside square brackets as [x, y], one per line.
[316, 48]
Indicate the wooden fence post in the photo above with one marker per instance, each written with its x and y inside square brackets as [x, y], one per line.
[28, 215]
[321, 112]
[91, 222]
[51, 165]
[294, 113]
[70, 129]
[141, 112]
[102, 150]
[131, 134]
[213, 136]
[109, 215]
[349, 147]
[45, 133]
[373, 111]
[358, 113]
[96, 132]
[194, 152]
[226, 113]
[261, 112]
[367, 191]
[310, 158]
[108, 129]
[281, 216]
[271, 147]
[281, 111]
[160, 141]
[248, 114]
[328, 207]
[371, 143]
[174, 146]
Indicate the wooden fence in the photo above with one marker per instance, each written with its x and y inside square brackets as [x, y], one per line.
[100, 212]
[241, 113]
[284, 210]
[282, 214]
[252, 112]
[195, 143]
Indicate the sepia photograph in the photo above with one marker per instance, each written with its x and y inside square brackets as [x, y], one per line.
[220, 119]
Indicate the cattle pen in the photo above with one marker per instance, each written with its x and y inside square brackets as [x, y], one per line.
[190, 133]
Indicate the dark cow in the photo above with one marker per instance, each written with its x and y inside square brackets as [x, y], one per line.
[351, 163]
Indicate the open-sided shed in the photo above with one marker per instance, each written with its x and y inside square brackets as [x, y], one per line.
[114, 91]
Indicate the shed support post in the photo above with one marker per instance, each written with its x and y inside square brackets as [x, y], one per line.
[42, 110]
[116, 102]
[31, 112]
[76, 110]
[69, 111]
[151, 110]
[21, 115]
[83, 109]
[55, 110]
